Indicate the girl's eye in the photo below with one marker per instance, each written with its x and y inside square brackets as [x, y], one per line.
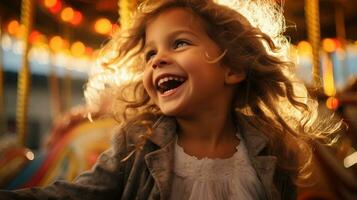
[149, 55]
[180, 43]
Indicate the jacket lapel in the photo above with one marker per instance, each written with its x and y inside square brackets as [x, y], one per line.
[264, 165]
[160, 162]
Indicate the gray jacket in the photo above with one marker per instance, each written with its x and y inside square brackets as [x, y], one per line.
[147, 173]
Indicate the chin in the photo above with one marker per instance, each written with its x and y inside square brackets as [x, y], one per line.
[171, 111]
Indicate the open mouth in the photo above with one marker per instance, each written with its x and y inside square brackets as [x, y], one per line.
[168, 83]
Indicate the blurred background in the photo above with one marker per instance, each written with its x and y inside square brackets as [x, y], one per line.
[49, 47]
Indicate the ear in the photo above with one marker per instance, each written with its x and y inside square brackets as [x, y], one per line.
[234, 77]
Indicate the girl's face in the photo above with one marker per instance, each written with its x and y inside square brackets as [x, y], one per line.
[177, 76]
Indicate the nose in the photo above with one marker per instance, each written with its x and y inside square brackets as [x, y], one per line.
[161, 60]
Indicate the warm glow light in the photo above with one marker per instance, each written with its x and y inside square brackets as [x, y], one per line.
[30, 155]
[89, 50]
[77, 18]
[18, 47]
[304, 48]
[332, 103]
[6, 42]
[329, 45]
[78, 48]
[56, 43]
[13, 27]
[103, 26]
[115, 27]
[50, 3]
[67, 14]
[34, 36]
[57, 7]
[20, 31]
[328, 76]
[350, 160]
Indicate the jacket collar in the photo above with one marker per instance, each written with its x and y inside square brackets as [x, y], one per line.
[164, 131]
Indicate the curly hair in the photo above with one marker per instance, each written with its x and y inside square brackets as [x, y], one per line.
[276, 102]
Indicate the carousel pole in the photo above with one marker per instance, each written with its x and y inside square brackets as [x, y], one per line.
[341, 32]
[313, 31]
[2, 96]
[27, 8]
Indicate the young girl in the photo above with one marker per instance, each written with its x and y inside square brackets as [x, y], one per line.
[214, 114]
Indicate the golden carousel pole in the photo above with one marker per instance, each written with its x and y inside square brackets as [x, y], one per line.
[341, 32]
[2, 96]
[313, 31]
[23, 85]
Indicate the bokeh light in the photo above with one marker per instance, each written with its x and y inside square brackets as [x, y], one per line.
[304, 48]
[332, 103]
[330, 45]
[78, 48]
[50, 3]
[56, 43]
[13, 27]
[67, 14]
[103, 26]
[57, 7]
[77, 18]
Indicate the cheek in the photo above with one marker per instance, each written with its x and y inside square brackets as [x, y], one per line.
[147, 81]
[191, 61]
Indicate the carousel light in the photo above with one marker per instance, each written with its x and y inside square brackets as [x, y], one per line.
[57, 7]
[329, 45]
[115, 27]
[20, 31]
[56, 43]
[304, 48]
[103, 26]
[18, 47]
[30, 155]
[328, 76]
[34, 36]
[6, 42]
[77, 18]
[89, 50]
[13, 27]
[50, 3]
[67, 14]
[350, 160]
[78, 48]
[332, 103]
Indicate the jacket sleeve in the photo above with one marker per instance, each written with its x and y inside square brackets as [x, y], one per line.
[103, 181]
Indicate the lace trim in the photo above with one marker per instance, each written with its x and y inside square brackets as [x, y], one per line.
[211, 169]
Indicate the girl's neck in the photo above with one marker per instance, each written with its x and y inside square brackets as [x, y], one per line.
[207, 131]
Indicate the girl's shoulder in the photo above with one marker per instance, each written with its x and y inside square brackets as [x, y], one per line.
[133, 131]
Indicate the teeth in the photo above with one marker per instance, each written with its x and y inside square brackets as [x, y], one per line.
[163, 80]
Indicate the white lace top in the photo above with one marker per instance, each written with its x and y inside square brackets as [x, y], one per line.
[206, 179]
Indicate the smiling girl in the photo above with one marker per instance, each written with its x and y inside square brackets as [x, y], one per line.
[214, 115]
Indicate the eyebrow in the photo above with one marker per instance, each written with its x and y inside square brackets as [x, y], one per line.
[173, 34]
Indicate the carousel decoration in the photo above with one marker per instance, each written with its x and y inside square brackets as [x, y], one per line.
[313, 29]
[24, 80]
